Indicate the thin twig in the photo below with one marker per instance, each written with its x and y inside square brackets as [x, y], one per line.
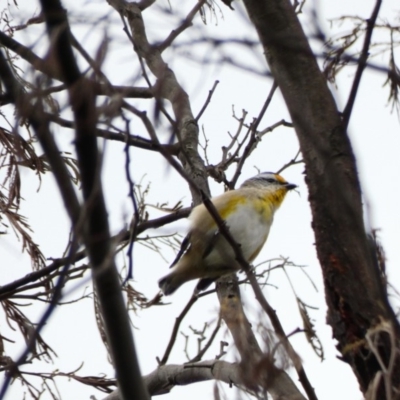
[362, 63]
[133, 140]
[150, 129]
[208, 100]
[174, 333]
[186, 23]
[253, 139]
[234, 139]
[201, 353]
[293, 161]
[134, 225]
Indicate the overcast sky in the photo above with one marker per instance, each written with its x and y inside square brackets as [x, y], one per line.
[374, 132]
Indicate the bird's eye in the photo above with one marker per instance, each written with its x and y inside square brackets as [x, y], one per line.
[270, 180]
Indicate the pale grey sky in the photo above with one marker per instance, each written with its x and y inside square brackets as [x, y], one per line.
[374, 132]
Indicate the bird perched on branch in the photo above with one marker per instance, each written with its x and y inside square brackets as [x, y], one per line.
[248, 212]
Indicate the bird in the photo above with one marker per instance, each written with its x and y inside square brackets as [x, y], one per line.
[248, 212]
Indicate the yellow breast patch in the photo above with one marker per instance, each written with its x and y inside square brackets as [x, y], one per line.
[268, 202]
[231, 205]
[277, 197]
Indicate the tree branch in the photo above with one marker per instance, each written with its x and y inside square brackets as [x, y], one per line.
[45, 67]
[7, 290]
[175, 329]
[258, 369]
[97, 236]
[168, 87]
[165, 377]
[362, 63]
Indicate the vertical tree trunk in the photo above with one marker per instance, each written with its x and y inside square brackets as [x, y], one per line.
[358, 307]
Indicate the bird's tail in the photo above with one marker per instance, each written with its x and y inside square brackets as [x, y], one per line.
[169, 283]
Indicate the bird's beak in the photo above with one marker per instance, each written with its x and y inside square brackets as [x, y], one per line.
[290, 186]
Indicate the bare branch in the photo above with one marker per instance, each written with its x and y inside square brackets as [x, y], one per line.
[175, 329]
[186, 23]
[165, 377]
[168, 87]
[97, 236]
[210, 94]
[362, 62]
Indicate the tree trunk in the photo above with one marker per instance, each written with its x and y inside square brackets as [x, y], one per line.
[358, 310]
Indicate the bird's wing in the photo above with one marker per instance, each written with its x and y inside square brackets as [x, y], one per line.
[185, 247]
[210, 244]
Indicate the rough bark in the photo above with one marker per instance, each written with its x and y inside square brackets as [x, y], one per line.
[355, 293]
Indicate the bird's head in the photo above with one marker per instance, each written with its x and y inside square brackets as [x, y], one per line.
[270, 180]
